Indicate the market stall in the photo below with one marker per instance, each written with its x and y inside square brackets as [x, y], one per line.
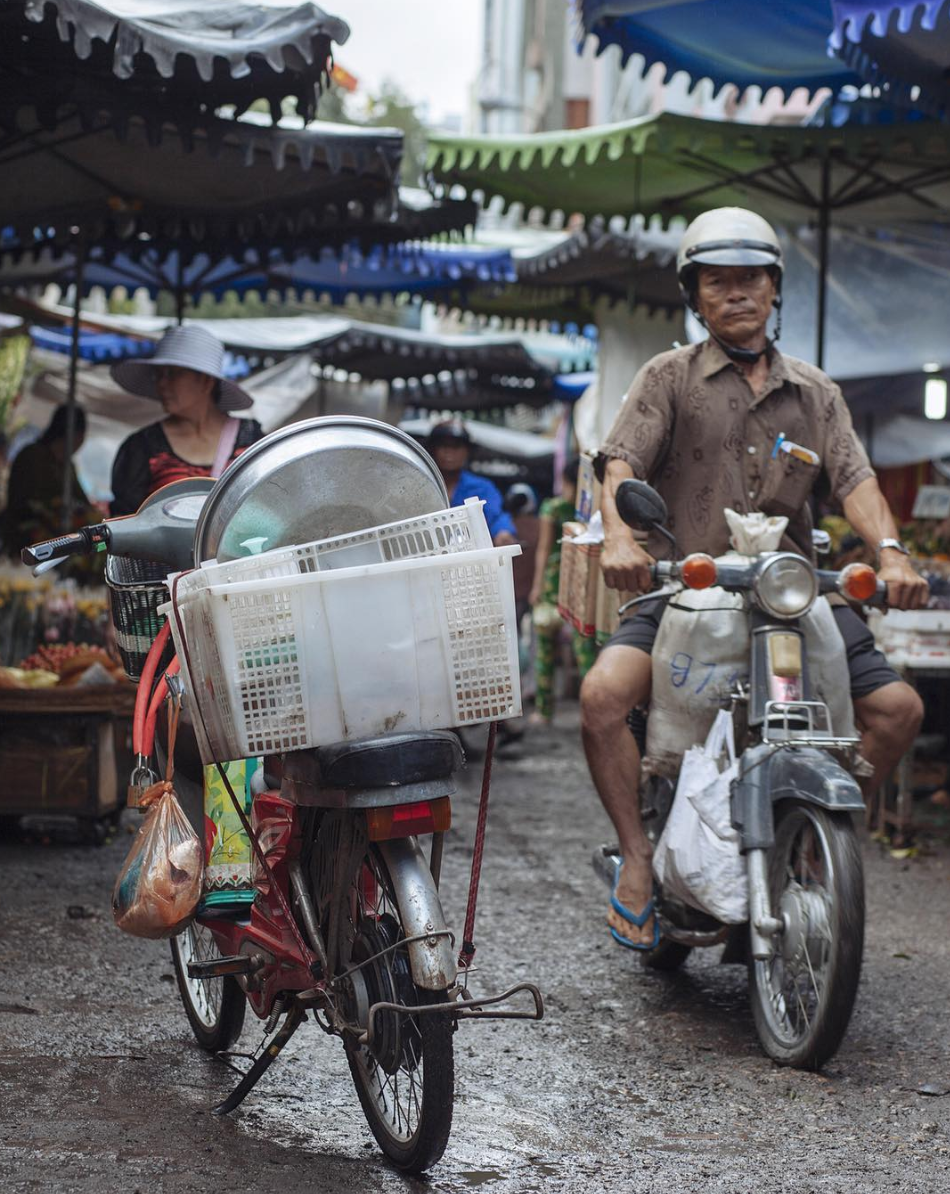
[65, 704]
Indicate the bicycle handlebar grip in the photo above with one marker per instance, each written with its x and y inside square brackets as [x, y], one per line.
[56, 549]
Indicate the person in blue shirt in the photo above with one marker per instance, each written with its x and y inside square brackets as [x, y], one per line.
[449, 444]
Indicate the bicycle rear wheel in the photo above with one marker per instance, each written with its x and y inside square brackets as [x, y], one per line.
[405, 1077]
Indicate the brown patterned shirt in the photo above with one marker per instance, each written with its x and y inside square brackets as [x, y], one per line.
[691, 426]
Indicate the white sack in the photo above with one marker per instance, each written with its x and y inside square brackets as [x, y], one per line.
[697, 858]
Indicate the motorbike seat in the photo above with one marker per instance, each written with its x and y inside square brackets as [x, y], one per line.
[390, 760]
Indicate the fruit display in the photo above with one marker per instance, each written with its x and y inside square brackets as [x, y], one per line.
[63, 664]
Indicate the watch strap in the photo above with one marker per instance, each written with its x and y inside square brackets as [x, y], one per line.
[895, 544]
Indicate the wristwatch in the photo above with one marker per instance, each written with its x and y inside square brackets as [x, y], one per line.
[892, 543]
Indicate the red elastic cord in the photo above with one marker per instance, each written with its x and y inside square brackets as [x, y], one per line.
[468, 943]
[158, 698]
[144, 695]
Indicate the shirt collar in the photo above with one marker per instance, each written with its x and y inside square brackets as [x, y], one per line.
[715, 360]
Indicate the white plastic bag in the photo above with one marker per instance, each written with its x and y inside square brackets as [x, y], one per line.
[697, 858]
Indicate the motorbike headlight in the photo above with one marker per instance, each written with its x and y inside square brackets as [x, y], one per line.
[786, 586]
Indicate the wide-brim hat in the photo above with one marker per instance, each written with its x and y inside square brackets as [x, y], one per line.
[189, 348]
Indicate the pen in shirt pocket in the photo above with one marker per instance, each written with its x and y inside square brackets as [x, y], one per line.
[786, 445]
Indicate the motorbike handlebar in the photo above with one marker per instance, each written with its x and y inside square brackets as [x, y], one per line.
[78, 542]
[664, 570]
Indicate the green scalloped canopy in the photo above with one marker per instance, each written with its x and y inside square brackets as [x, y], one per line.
[670, 165]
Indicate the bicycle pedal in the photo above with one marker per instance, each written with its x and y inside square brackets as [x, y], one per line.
[219, 967]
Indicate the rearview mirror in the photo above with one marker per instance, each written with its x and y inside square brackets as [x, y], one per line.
[640, 506]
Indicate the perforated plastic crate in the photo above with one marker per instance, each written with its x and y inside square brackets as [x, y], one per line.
[289, 662]
[443, 532]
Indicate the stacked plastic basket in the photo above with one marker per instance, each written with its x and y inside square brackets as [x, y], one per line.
[408, 626]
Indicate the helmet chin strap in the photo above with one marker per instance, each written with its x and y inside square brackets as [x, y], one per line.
[746, 356]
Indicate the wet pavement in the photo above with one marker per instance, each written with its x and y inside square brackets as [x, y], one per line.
[634, 1081]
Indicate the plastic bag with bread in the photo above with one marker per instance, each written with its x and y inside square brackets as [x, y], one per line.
[157, 892]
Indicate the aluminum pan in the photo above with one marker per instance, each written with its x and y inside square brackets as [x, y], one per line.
[315, 479]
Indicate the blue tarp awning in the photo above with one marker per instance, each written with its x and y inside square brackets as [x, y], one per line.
[385, 270]
[99, 347]
[901, 46]
[744, 42]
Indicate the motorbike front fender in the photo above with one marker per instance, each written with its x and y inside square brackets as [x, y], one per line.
[802, 773]
[432, 959]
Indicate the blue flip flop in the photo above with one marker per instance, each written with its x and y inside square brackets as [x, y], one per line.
[633, 919]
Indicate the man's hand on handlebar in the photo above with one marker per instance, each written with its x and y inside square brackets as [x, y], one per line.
[905, 589]
[626, 566]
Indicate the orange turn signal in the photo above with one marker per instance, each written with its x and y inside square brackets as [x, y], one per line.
[858, 582]
[406, 820]
[698, 571]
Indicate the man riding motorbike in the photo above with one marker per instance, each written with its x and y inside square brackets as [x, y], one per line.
[703, 425]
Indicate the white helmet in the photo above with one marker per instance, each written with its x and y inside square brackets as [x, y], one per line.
[727, 236]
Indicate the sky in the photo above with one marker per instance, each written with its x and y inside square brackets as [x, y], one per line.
[431, 48]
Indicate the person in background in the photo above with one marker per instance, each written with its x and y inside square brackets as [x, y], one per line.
[450, 446]
[196, 438]
[4, 470]
[34, 508]
[554, 513]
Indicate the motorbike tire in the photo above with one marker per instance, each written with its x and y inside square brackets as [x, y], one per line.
[214, 1006]
[667, 957]
[414, 1050]
[816, 880]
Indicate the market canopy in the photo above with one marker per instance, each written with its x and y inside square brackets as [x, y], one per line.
[901, 46]
[746, 43]
[410, 268]
[181, 52]
[229, 181]
[492, 370]
[668, 165]
[561, 276]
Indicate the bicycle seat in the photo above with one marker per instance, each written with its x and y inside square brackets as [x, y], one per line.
[389, 760]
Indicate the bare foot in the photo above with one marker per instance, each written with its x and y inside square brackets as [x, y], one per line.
[537, 719]
[634, 891]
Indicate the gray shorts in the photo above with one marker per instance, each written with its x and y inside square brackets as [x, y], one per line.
[868, 668]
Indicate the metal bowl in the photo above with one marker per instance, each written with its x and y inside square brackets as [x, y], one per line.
[315, 479]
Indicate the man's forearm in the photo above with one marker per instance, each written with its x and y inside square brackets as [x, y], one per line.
[614, 526]
[867, 511]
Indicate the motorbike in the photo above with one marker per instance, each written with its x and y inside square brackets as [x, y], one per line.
[346, 924]
[792, 802]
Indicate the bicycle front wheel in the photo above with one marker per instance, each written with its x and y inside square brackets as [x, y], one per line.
[214, 1006]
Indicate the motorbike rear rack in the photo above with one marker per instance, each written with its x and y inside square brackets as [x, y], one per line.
[466, 1008]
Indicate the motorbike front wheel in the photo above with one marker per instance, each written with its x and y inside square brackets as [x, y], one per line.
[405, 1077]
[803, 995]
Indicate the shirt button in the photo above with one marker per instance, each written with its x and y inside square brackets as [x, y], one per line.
[751, 450]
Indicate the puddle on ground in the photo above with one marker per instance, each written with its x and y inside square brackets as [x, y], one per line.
[479, 1177]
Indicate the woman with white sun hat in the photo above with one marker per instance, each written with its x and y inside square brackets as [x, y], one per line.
[197, 437]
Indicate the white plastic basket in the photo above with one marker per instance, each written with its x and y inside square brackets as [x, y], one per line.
[443, 532]
[289, 662]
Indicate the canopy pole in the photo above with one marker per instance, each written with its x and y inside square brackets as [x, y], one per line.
[180, 296]
[78, 277]
[824, 221]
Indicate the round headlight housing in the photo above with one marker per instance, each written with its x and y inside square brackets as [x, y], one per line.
[786, 586]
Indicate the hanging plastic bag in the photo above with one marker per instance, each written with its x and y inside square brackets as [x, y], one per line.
[158, 888]
[697, 858]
